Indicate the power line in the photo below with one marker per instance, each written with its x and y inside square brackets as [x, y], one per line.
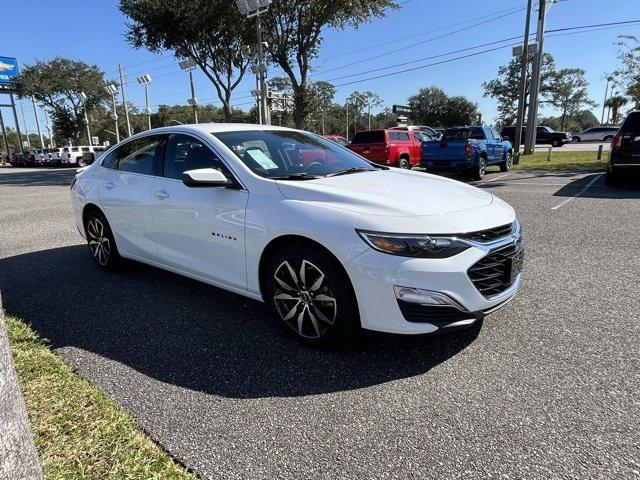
[413, 45]
[401, 39]
[565, 31]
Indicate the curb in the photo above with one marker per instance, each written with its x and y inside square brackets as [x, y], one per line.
[18, 455]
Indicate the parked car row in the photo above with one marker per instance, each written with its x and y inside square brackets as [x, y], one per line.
[79, 156]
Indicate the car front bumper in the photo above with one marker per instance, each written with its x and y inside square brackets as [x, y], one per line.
[376, 277]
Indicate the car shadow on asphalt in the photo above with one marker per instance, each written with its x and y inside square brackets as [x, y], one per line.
[594, 186]
[37, 178]
[196, 336]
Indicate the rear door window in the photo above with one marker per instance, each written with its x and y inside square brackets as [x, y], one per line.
[632, 124]
[138, 156]
[374, 136]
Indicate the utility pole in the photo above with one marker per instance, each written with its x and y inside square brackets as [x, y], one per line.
[15, 118]
[48, 127]
[111, 90]
[251, 9]
[532, 122]
[124, 100]
[523, 86]
[24, 124]
[347, 120]
[35, 114]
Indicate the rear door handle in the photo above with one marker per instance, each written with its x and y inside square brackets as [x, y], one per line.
[161, 194]
[110, 185]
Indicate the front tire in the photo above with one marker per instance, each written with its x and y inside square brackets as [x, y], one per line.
[556, 143]
[311, 296]
[404, 163]
[102, 244]
[508, 162]
[576, 139]
[608, 138]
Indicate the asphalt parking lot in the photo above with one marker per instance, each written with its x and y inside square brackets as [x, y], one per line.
[547, 387]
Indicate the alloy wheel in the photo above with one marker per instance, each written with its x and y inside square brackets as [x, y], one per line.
[99, 243]
[303, 299]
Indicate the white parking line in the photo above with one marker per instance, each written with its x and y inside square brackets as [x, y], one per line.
[498, 177]
[586, 187]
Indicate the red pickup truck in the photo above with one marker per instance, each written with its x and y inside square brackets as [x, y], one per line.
[396, 148]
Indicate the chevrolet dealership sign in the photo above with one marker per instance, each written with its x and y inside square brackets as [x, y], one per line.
[8, 70]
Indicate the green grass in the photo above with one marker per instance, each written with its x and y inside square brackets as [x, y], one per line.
[562, 161]
[79, 432]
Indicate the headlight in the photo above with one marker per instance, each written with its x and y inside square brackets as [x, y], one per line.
[416, 246]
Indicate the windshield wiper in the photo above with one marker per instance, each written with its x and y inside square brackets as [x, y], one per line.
[350, 170]
[296, 176]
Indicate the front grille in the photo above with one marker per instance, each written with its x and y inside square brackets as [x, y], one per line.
[489, 234]
[437, 315]
[491, 275]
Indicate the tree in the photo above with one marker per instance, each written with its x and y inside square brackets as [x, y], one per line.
[506, 88]
[459, 111]
[615, 103]
[431, 106]
[568, 92]
[427, 106]
[321, 97]
[211, 32]
[628, 76]
[293, 32]
[57, 85]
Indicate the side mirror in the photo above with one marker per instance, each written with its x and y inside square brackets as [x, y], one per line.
[205, 177]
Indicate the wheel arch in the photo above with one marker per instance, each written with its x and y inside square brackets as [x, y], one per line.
[294, 239]
[88, 208]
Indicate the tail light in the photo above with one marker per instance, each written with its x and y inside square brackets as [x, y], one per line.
[617, 141]
[468, 150]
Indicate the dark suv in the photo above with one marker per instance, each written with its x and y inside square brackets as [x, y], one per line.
[625, 149]
[544, 135]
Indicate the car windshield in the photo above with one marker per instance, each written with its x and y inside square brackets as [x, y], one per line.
[291, 154]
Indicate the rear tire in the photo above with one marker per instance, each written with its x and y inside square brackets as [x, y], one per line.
[508, 162]
[404, 163]
[576, 139]
[102, 244]
[612, 177]
[608, 138]
[310, 296]
[480, 169]
[556, 143]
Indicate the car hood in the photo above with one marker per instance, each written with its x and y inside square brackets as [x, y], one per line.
[392, 192]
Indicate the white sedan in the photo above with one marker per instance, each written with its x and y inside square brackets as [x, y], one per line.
[329, 240]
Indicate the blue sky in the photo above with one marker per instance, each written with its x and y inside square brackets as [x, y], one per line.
[93, 31]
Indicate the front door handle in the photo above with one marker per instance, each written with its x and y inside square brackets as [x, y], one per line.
[161, 194]
[110, 185]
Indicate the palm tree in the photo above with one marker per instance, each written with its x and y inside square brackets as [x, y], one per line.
[614, 103]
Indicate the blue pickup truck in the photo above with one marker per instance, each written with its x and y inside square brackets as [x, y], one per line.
[467, 150]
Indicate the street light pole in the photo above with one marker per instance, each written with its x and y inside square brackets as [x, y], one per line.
[24, 124]
[35, 114]
[189, 64]
[532, 121]
[523, 85]
[145, 80]
[83, 98]
[124, 100]
[111, 89]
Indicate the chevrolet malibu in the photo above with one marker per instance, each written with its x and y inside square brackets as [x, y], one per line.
[330, 241]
